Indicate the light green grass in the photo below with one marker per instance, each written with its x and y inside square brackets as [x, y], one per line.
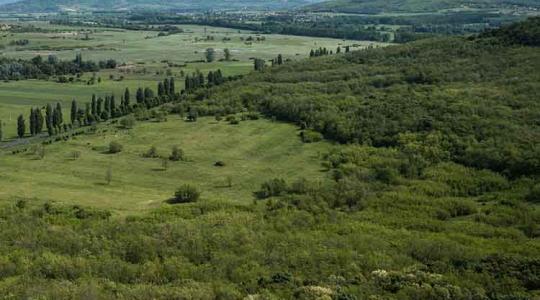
[144, 46]
[145, 60]
[254, 151]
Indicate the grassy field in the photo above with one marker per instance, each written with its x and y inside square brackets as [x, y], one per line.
[253, 151]
[147, 59]
[146, 47]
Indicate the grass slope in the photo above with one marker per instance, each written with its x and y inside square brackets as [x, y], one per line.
[254, 151]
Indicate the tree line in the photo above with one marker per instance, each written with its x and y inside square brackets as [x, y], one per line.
[38, 67]
[103, 108]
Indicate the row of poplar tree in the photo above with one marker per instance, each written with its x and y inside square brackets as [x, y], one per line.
[102, 109]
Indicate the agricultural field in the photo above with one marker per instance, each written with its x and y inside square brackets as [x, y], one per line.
[145, 59]
[74, 172]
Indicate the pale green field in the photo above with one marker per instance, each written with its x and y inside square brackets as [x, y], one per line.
[146, 60]
[144, 46]
[254, 151]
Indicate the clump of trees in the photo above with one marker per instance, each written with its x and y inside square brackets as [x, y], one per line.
[186, 194]
[38, 67]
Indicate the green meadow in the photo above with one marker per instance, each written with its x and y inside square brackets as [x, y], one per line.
[253, 152]
[146, 59]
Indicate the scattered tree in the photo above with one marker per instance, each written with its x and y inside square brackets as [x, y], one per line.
[21, 126]
[185, 194]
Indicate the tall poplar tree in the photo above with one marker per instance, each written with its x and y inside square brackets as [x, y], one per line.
[21, 126]
[49, 119]
[73, 111]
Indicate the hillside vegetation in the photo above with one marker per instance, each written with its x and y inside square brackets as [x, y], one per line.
[431, 190]
[409, 6]
[119, 5]
[472, 100]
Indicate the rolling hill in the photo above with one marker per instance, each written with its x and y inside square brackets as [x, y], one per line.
[410, 6]
[84, 5]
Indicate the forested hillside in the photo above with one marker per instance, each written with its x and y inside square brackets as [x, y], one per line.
[381, 6]
[476, 97]
[430, 190]
[110, 5]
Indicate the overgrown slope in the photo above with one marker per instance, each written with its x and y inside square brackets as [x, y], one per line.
[478, 95]
[382, 6]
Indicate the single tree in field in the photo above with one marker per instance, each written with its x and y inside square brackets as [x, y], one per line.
[164, 163]
[210, 55]
[228, 54]
[21, 126]
[40, 151]
[74, 110]
[108, 176]
[177, 154]
[279, 59]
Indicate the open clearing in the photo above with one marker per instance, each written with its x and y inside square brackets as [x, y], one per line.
[253, 151]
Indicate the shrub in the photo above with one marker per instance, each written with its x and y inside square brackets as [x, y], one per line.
[128, 122]
[115, 147]
[534, 194]
[151, 153]
[310, 136]
[177, 154]
[219, 163]
[185, 194]
[232, 120]
[75, 155]
[272, 188]
[253, 116]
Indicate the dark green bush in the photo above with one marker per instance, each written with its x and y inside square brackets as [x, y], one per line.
[310, 136]
[115, 147]
[272, 188]
[534, 194]
[185, 194]
[177, 154]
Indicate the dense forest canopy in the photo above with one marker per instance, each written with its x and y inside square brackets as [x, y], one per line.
[475, 94]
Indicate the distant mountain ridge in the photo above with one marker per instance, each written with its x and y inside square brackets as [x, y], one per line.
[385, 6]
[82, 5]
